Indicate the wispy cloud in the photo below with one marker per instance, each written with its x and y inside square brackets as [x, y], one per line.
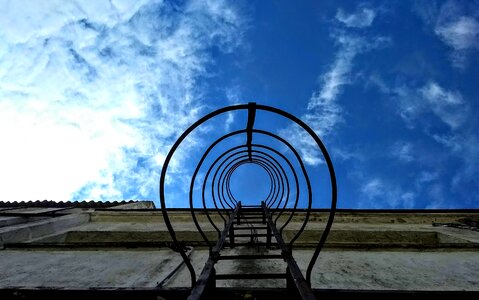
[456, 24]
[447, 105]
[417, 105]
[378, 190]
[324, 112]
[443, 116]
[349, 47]
[425, 177]
[424, 189]
[465, 146]
[461, 34]
[233, 97]
[363, 17]
[92, 96]
[403, 151]
[373, 188]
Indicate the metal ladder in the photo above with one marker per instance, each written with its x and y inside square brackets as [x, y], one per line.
[259, 217]
[253, 215]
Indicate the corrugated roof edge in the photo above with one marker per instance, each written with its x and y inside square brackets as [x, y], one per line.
[73, 204]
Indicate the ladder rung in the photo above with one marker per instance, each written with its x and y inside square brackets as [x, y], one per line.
[251, 228]
[250, 276]
[251, 215]
[251, 244]
[250, 235]
[252, 256]
[254, 222]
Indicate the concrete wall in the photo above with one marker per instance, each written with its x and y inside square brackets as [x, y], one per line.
[111, 248]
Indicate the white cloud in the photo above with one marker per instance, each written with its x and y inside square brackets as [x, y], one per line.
[233, 96]
[324, 112]
[376, 189]
[377, 81]
[403, 151]
[388, 194]
[345, 154]
[451, 141]
[410, 106]
[425, 180]
[229, 121]
[373, 188]
[24, 20]
[425, 177]
[455, 23]
[447, 105]
[460, 34]
[458, 29]
[362, 18]
[423, 107]
[337, 75]
[466, 147]
[414, 104]
[436, 196]
[436, 95]
[92, 95]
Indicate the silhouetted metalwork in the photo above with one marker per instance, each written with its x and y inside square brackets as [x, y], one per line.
[260, 217]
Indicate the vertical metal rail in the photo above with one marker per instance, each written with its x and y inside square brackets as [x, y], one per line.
[207, 276]
[293, 272]
[249, 127]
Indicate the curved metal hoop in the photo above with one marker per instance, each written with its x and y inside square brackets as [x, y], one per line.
[264, 156]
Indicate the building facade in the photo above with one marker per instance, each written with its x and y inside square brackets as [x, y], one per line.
[123, 249]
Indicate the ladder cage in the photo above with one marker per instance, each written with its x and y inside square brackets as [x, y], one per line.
[250, 221]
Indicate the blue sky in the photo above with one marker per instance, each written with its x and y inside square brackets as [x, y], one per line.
[94, 93]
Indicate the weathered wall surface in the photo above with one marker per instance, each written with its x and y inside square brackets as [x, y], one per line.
[395, 270]
[88, 249]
